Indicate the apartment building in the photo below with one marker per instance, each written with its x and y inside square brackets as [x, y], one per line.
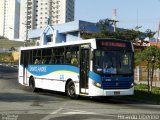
[9, 16]
[35, 13]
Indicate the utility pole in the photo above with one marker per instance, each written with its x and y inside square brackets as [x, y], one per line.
[158, 33]
[26, 24]
[137, 20]
[114, 20]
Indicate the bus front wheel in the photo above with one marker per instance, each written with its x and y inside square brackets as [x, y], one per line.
[71, 91]
[32, 85]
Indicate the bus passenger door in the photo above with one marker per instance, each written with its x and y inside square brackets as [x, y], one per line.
[25, 65]
[84, 70]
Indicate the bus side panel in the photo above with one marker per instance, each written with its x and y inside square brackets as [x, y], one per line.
[20, 74]
[54, 77]
[49, 84]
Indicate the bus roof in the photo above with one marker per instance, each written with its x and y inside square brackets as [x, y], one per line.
[78, 42]
[63, 44]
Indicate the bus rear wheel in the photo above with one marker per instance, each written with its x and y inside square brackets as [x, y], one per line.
[71, 91]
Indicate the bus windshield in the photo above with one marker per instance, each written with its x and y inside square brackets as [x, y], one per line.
[113, 62]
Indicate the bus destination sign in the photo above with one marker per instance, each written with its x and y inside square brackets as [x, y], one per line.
[111, 44]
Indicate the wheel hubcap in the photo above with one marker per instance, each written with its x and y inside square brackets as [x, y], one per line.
[71, 90]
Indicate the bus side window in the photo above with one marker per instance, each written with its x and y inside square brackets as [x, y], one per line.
[43, 60]
[47, 60]
[74, 60]
[68, 58]
[52, 60]
[57, 61]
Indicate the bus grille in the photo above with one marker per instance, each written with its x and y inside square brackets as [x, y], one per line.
[122, 84]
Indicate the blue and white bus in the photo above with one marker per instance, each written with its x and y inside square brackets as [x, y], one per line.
[93, 67]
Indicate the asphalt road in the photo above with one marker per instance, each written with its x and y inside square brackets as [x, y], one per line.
[19, 103]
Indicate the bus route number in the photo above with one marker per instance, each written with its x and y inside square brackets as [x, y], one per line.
[61, 77]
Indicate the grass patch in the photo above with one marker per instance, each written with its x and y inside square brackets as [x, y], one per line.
[141, 94]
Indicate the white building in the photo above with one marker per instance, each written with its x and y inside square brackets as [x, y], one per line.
[9, 17]
[35, 13]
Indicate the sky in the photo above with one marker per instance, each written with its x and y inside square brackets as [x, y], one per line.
[130, 13]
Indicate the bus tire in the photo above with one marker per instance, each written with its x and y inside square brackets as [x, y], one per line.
[32, 85]
[71, 91]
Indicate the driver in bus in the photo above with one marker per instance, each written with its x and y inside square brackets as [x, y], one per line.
[107, 68]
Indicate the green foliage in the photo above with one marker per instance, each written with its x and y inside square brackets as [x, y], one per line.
[146, 96]
[151, 55]
[127, 34]
[104, 24]
[138, 58]
[123, 34]
[158, 58]
[149, 33]
[141, 87]
[141, 94]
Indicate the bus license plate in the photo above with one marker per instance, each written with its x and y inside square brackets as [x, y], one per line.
[116, 92]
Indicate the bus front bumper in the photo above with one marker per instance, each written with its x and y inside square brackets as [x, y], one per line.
[118, 92]
[111, 92]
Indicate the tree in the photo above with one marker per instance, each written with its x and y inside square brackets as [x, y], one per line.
[105, 27]
[124, 34]
[149, 33]
[106, 31]
[104, 24]
[150, 55]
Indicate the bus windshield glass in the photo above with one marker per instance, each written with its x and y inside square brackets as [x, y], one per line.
[113, 62]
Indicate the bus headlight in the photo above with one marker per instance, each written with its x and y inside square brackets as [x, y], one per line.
[97, 84]
[132, 84]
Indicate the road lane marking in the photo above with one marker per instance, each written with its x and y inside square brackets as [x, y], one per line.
[72, 112]
[79, 112]
[51, 115]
